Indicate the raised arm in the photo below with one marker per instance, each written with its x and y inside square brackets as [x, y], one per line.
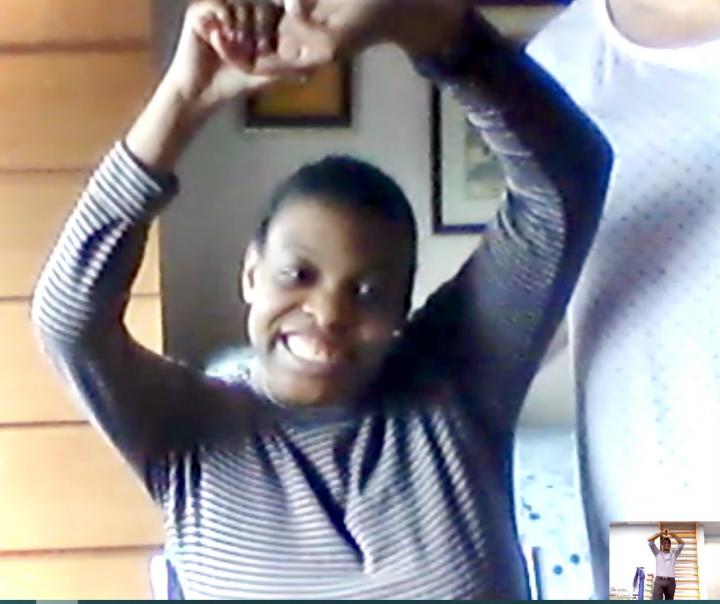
[497, 316]
[677, 538]
[147, 404]
[651, 543]
[489, 326]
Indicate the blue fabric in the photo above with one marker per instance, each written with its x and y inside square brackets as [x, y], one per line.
[639, 582]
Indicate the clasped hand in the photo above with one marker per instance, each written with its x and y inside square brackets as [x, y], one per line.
[228, 49]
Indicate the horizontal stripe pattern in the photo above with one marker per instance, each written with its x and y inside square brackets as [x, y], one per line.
[295, 511]
[409, 495]
[303, 522]
[119, 196]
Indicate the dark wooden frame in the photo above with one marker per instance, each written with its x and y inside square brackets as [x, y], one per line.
[343, 118]
[436, 153]
[439, 225]
[436, 143]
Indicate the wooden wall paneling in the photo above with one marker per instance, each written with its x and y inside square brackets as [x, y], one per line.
[42, 22]
[63, 110]
[66, 488]
[30, 390]
[75, 522]
[33, 208]
[80, 575]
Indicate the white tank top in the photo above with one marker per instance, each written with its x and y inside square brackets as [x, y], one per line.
[644, 322]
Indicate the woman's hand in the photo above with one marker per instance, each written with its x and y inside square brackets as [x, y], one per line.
[224, 51]
[417, 26]
[219, 46]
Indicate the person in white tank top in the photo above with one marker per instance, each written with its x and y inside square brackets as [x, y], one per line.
[644, 322]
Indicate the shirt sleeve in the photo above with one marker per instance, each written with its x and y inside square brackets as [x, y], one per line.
[653, 548]
[146, 404]
[678, 550]
[487, 328]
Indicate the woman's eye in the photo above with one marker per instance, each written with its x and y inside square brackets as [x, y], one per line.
[368, 292]
[293, 275]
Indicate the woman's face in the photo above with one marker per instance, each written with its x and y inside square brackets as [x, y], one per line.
[327, 294]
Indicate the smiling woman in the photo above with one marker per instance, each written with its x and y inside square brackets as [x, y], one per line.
[366, 452]
[336, 299]
[334, 307]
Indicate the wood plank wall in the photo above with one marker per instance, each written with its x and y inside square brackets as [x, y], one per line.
[74, 521]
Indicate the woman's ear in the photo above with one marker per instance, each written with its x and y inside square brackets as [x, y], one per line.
[248, 278]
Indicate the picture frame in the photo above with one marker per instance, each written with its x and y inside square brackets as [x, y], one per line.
[468, 185]
[324, 101]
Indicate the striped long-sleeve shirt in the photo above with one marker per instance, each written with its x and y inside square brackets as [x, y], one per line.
[406, 494]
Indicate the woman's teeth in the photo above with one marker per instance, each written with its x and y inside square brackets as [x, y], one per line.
[310, 349]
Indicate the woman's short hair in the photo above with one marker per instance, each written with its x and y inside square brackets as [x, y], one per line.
[344, 181]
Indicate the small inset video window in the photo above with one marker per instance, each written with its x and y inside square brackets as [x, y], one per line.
[665, 560]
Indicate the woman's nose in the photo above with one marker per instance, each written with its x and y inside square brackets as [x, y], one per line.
[329, 309]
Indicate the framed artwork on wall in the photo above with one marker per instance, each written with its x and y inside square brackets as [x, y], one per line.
[324, 101]
[467, 182]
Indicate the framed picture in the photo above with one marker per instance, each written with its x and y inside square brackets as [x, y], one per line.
[468, 185]
[324, 101]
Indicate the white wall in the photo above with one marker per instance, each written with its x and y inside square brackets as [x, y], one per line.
[228, 173]
[711, 568]
[628, 550]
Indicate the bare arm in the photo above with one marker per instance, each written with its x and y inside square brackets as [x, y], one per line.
[655, 536]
